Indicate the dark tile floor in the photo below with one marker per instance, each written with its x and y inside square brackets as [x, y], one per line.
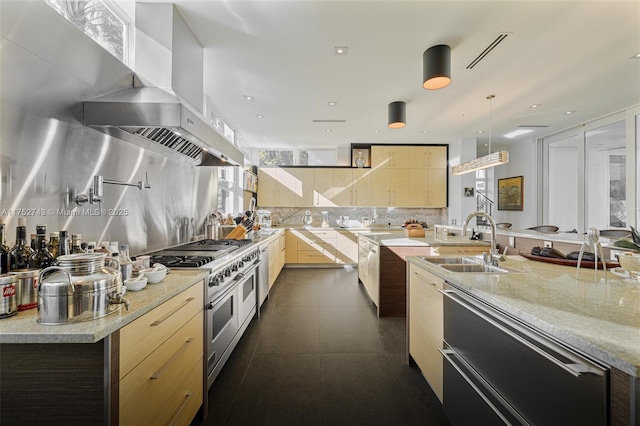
[319, 356]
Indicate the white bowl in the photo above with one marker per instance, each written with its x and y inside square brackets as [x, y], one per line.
[629, 261]
[135, 285]
[154, 277]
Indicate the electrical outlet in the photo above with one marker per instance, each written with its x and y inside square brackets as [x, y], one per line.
[548, 244]
[512, 241]
[614, 254]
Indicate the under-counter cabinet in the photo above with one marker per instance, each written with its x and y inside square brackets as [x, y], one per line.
[425, 324]
[277, 256]
[321, 246]
[161, 362]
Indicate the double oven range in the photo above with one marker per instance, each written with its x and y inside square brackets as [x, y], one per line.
[231, 287]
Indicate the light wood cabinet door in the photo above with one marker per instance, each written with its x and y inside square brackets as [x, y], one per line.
[425, 156]
[380, 193]
[399, 187]
[380, 157]
[436, 188]
[362, 187]
[426, 325]
[274, 256]
[342, 187]
[323, 187]
[399, 157]
[418, 187]
[291, 244]
[347, 247]
[305, 182]
[288, 186]
[437, 157]
[268, 186]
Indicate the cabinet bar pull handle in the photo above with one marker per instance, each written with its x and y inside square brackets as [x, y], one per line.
[576, 369]
[423, 279]
[161, 320]
[187, 397]
[175, 356]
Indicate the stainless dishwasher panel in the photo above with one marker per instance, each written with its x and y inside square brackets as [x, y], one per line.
[545, 382]
[263, 277]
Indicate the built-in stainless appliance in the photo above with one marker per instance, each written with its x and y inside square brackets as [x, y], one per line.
[232, 287]
[263, 276]
[498, 370]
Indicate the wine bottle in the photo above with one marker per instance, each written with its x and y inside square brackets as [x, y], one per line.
[42, 258]
[21, 252]
[4, 252]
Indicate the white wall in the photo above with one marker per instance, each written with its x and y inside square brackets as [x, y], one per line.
[523, 161]
[460, 151]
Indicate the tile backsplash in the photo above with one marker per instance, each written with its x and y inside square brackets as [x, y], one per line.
[384, 216]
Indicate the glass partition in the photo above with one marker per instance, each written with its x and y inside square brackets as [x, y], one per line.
[563, 200]
[606, 176]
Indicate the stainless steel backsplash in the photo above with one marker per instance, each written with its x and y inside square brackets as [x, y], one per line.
[47, 156]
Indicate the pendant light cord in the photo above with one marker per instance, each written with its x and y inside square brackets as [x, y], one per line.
[490, 97]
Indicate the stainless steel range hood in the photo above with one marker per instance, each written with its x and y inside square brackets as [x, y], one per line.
[162, 122]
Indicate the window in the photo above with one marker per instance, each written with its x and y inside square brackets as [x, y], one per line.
[97, 20]
[275, 158]
[586, 177]
[230, 190]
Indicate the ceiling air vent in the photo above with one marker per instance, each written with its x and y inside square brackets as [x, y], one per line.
[534, 126]
[489, 48]
[329, 121]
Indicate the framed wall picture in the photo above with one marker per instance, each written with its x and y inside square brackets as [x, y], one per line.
[510, 193]
[468, 191]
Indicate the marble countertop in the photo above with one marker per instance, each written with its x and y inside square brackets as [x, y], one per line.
[398, 239]
[600, 318]
[23, 328]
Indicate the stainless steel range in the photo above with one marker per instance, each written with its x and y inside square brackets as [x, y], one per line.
[231, 291]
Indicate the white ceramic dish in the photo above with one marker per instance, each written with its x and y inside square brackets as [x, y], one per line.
[154, 277]
[137, 285]
[630, 262]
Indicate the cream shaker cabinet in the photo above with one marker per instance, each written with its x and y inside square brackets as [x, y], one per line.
[361, 195]
[425, 325]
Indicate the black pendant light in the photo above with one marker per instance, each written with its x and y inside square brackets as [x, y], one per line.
[397, 115]
[436, 67]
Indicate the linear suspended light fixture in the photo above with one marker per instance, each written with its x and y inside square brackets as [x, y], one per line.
[397, 115]
[489, 160]
[436, 67]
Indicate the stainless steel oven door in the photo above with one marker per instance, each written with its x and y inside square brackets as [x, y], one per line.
[222, 326]
[247, 293]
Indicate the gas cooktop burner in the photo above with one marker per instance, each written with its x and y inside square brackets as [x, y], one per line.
[181, 261]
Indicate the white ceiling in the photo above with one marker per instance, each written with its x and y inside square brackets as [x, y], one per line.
[564, 55]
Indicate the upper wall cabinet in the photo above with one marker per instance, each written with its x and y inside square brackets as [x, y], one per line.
[400, 176]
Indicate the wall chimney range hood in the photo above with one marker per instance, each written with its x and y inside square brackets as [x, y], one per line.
[159, 109]
[162, 122]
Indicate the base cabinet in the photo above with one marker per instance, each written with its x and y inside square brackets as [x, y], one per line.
[161, 362]
[425, 325]
[277, 257]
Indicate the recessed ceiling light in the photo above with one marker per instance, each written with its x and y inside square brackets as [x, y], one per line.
[636, 56]
[480, 132]
[248, 98]
[333, 103]
[340, 50]
[259, 116]
[425, 131]
[569, 112]
[518, 132]
[486, 144]
[327, 130]
[535, 106]
[376, 131]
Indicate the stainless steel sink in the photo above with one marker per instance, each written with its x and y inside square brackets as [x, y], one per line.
[468, 265]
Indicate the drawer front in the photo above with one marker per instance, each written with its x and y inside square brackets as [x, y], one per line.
[183, 405]
[315, 256]
[315, 245]
[145, 334]
[544, 381]
[148, 387]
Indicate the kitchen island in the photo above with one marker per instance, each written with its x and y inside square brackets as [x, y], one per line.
[595, 317]
[382, 265]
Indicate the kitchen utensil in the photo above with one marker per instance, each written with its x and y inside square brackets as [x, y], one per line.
[414, 230]
[154, 276]
[307, 219]
[8, 305]
[325, 219]
[136, 284]
[593, 242]
[82, 287]
[27, 288]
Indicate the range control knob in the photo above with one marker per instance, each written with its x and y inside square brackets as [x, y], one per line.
[209, 306]
[241, 263]
[227, 272]
[234, 267]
